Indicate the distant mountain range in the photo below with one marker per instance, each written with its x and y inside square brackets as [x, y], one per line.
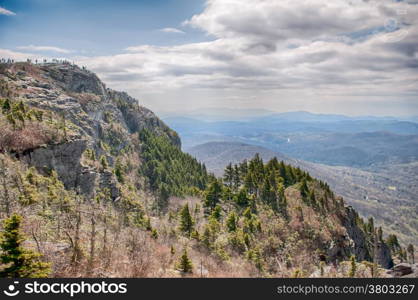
[327, 139]
[228, 114]
[388, 193]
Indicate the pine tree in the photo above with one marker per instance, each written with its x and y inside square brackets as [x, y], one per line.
[217, 213]
[6, 106]
[231, 222]
[304, 190]
[17, 261]
[119, 172]
[393, 243]
[237, 180]
[353, 267]
[242, 198]
[411, 253]
[312, 198]
[268, 195]
[213, 194]
[186, 221]
[103, 162]
[185, 264]
[229, 175]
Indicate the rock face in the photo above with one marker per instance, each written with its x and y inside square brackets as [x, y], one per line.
[383, 255]
[63, 158]
[359, 243]
[358, 240]
[97, 115]
[404, 270]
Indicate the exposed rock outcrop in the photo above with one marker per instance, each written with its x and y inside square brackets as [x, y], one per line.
[405, 270]
[355, 234]
[383, 255]
[63, 158]
[359, 246]
[96, 116]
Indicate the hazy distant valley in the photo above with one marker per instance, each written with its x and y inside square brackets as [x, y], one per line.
[372, 161]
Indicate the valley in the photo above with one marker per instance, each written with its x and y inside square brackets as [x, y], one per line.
[376, 171]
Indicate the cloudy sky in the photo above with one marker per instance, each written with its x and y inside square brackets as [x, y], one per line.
[342, 56]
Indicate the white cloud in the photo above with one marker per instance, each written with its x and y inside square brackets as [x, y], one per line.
[306, 54]
[18, 56]
[172, 30]
[44, 49]
[6, 12]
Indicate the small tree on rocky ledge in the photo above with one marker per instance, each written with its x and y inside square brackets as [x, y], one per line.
[19, 262]
[353, 267]
[103, 162]
[411, 252]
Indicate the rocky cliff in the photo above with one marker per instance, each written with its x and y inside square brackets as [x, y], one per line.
[95, 116]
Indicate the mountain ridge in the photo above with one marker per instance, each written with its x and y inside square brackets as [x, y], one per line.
[353, 184]
[110, 185]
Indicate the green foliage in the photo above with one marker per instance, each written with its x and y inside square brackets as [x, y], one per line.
[231, 222]
[213, 194]
[154, 233]
[186, 221]
[411, 252]
[353, 267]
[265, 183]
[217, 213]
[185, 264]
[229, 175]
[393, 243]
[119, 172]
[19, 262]
[5, 104]
[103, 162]
[169, 171]
[90, 154]
[242, 198]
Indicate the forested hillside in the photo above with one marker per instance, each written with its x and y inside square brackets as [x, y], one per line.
[93, 184]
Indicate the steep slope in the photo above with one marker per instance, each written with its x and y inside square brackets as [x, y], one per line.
[77, 113]
[388, 195]
[105, 190]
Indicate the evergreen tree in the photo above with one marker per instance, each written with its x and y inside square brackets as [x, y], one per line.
[312, 198]
[17, 261]
[103, 162]
[186, 221]
[393, 243]
[163, 197]
[217, 213]
[119, 172]
[243, 169]
[242, 198]
[229, 175]
[353, 267]
[6, 106]
[380, 234]
[236, 179]
[304, 190]
[411, 252]
[268, 195]
[231, 222]
[185, 264]
[213, 194]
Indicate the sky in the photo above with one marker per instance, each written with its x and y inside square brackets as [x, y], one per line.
[353, 57]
